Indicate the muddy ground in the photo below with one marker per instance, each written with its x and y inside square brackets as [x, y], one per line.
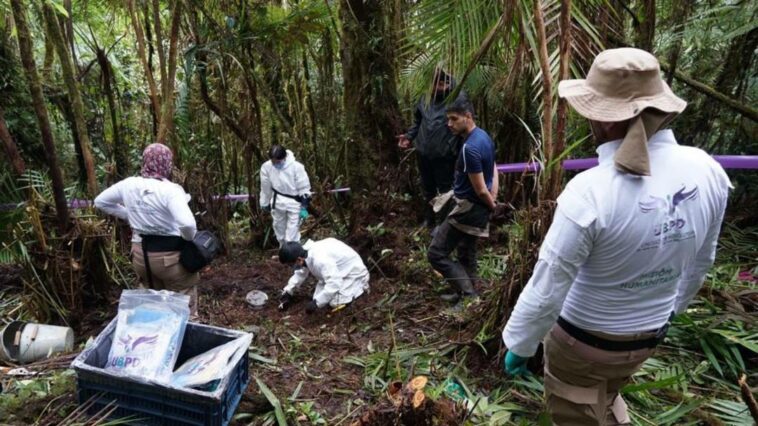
[304, 355]
[311, 348]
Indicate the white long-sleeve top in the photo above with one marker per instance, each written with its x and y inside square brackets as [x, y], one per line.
[340, 272]
[290, 179]
[623, 251]
[151, 206]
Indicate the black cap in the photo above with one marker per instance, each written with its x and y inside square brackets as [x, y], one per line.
[290, 251]
[277, 152]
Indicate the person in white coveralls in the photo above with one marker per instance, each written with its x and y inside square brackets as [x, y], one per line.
[285, 193]
[342, 276]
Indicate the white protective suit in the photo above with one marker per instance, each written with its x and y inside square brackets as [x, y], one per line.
[285, 211]
[342, 276]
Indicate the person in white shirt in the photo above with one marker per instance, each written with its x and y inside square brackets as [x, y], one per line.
[629, 246]
[285, 193]
[342, 276]
[158, 213]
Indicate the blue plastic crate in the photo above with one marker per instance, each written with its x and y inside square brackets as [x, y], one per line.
[156, 404]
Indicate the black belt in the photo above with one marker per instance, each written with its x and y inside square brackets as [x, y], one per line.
[161, 243]
[298, 198]
[153, 243]
[612, 345]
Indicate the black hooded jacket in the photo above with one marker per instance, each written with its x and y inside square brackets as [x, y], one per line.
[430, 133]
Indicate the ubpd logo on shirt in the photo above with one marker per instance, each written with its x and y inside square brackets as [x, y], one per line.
[668, 204]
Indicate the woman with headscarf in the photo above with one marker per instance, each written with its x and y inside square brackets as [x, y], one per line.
[161, 222]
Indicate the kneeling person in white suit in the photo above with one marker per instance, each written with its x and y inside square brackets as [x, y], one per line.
[342, 276]
[285, 192]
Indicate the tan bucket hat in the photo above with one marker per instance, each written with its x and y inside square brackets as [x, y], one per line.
[625, 84]
[621, 83]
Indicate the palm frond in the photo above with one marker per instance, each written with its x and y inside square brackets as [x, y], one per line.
[449, 34]
[732, 413]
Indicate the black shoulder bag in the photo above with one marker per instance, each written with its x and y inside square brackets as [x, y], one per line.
[199, 252]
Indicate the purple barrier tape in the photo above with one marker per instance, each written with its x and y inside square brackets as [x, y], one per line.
[737, 161]
[74, 204]
[245, 197]
[10, 206]
[726, 161]
[332, 191]
[580, 164]
[518, 167]
[233, 197]
[80, 204]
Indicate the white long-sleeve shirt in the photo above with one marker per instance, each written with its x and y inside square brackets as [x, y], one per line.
[151, 206]
[340, 272]
[623, 251]
[291, 179]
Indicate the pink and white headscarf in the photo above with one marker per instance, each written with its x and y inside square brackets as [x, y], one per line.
[157, 161]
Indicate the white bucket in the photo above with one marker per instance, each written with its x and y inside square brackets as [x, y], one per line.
[28, 342]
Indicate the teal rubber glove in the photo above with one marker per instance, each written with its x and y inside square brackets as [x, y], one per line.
[515, 365]
[303, 214]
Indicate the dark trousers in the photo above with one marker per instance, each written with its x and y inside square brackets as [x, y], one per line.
[459, 273]
[437, 175]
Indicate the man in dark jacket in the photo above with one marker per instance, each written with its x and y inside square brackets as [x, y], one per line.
[436, 147]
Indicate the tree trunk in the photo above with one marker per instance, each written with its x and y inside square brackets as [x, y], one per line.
[47, 62]
[77, 106]
[311, 108]
[10, 148]
[646, 28]
[370, 94]
[736, 63]
[328, 93]
[69, 31]
[159, 44]
[140, 36]
[746, 111]
[167, 107]
[237, 127]
[40, 110]
[274, 90]
[253, 144]
[562, 113]
[547, 85]
[682, 10]
[120, 146]
[63, 102]
[610, 22]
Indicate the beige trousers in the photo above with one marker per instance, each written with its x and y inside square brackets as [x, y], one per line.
[167, 273]
[582, 382]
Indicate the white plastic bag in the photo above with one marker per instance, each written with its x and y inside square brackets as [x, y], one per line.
[211, 365]
[148, 334]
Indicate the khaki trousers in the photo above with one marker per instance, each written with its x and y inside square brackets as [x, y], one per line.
[582, 382]
[167, 273]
